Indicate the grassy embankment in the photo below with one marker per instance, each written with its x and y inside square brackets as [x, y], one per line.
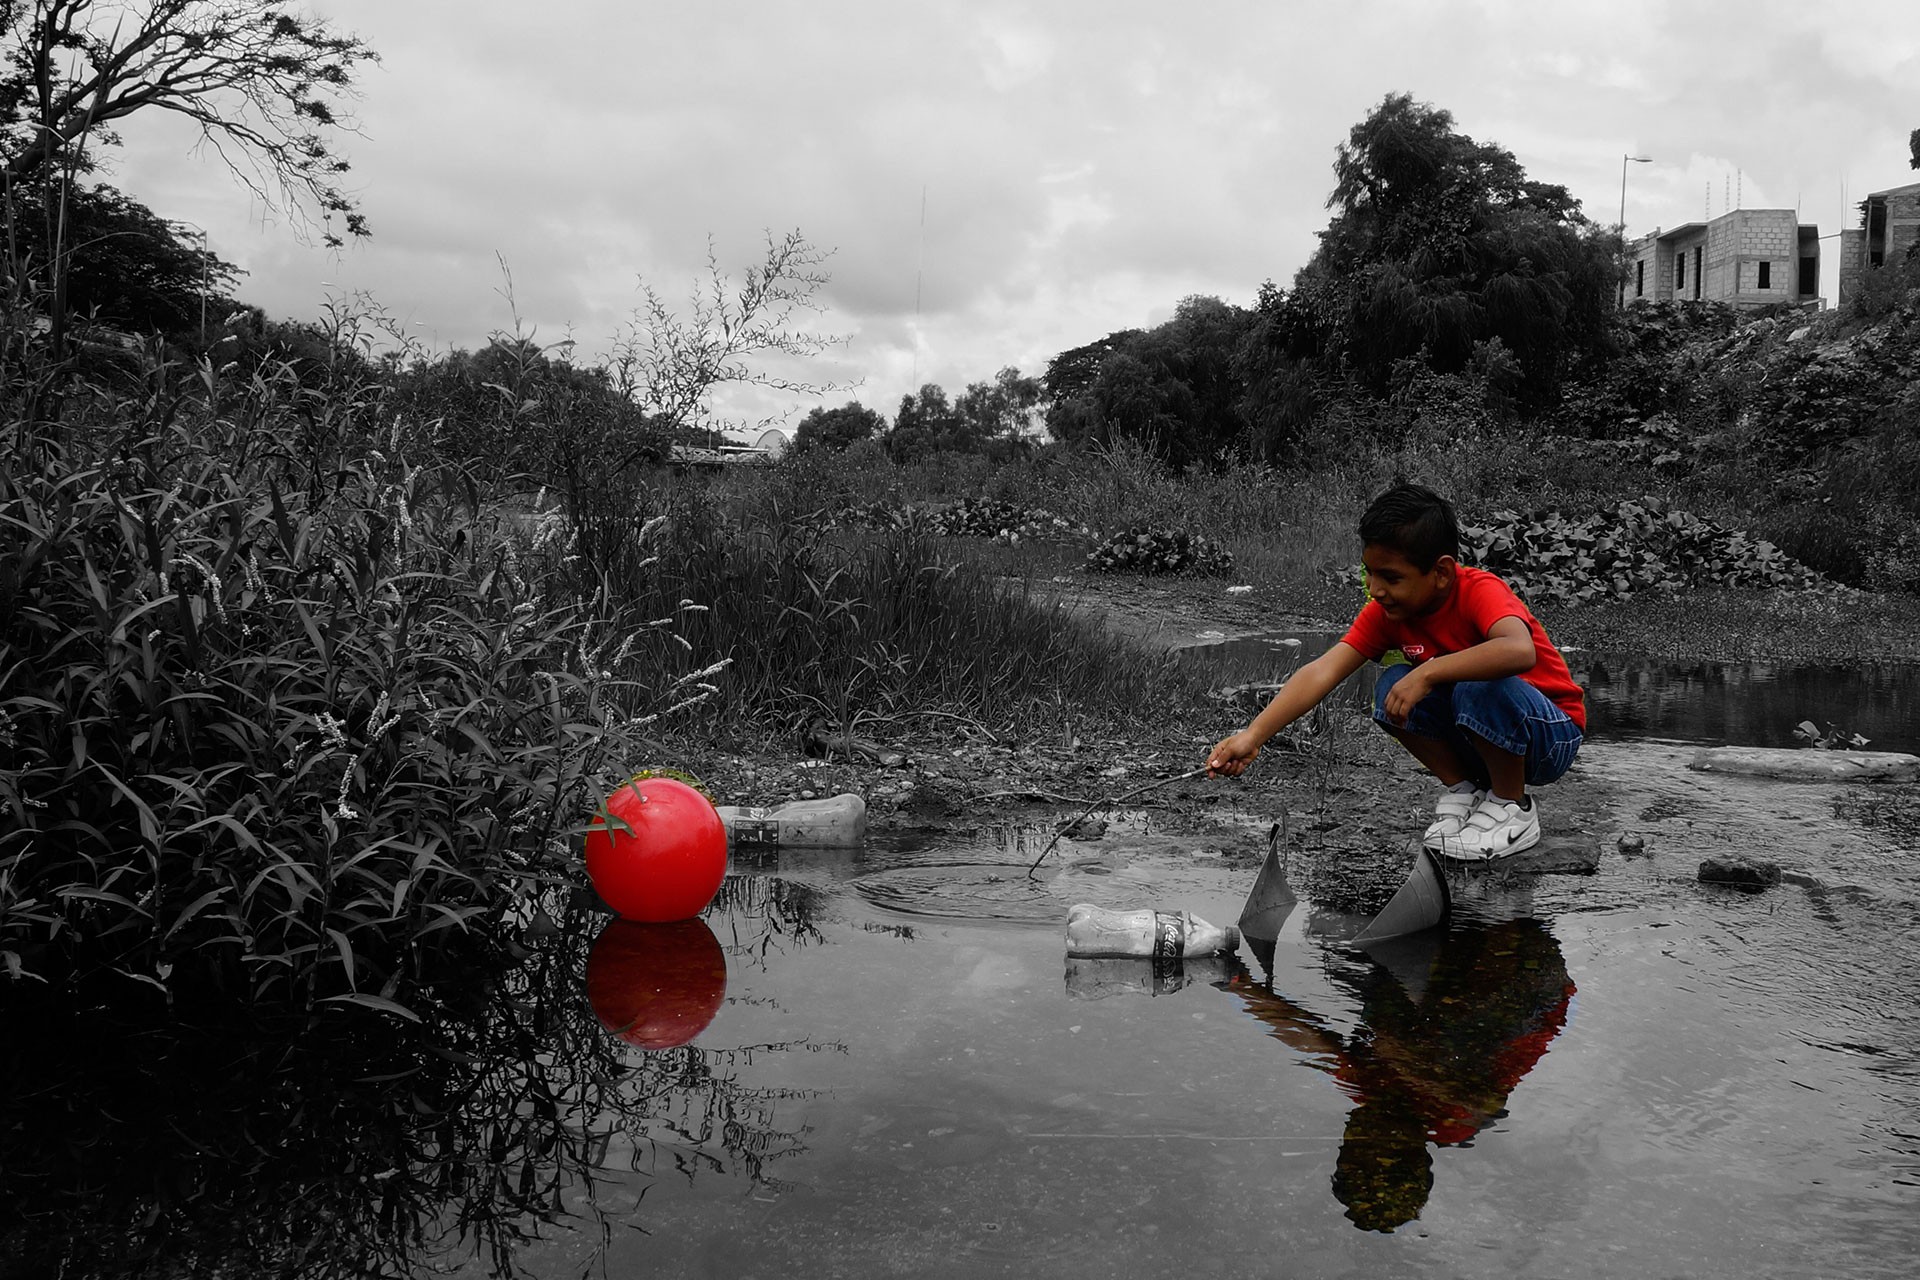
[294, 702]
[286, 696]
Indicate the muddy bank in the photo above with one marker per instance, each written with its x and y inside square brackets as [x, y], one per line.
[1351, 800]
[1833, 626]
[1351, 805]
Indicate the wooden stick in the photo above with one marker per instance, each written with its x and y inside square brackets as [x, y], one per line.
[1100, 804]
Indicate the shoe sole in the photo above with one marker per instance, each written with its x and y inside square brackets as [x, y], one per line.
[1456, 854]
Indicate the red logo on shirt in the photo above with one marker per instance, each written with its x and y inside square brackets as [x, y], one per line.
[1414, 652]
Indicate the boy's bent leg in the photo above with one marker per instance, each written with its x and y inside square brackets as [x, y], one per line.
[1429, 736]
[1427, 732]
[1529, 740]
[1524, 738]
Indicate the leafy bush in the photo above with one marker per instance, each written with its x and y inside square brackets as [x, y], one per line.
[994, 518]
[1617, 552]
[276, 728]
[1143, 549]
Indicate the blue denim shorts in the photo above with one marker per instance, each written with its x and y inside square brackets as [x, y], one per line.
[1509, 713]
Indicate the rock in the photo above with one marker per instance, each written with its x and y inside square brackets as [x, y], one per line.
[1632, 844]
[1808, 764]
[1558, 859]
[1087, 829]
[1746, 873]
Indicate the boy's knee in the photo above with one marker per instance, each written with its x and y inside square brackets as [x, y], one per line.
[1477, 695]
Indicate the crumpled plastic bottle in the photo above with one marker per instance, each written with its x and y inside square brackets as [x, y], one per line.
[1094, 932]
[835, 822]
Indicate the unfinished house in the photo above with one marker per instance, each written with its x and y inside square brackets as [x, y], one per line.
[1889, 227]
[1748, 258]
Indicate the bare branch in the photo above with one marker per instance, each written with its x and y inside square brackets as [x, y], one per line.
[671, 365]
[256, 74]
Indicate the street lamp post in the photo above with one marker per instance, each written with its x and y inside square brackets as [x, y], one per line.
[1624, 162]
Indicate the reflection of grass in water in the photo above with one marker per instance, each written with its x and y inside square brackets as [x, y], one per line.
[762, 912]
[201, 1139]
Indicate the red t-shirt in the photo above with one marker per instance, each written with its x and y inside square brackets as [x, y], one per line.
[1479, 600]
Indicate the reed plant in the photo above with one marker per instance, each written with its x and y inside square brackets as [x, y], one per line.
[855, 625]
[278, 707]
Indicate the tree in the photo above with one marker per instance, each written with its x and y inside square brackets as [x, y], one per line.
[125, 265]
[1175, 388]
[999, 415]
[671, 365]
[262, 81]
[1069, 379]
[1439, 243]
[835, 429]
[926, 424]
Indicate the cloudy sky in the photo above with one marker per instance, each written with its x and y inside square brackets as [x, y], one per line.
[1000, 182]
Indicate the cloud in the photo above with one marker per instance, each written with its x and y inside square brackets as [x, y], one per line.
[1081, 166]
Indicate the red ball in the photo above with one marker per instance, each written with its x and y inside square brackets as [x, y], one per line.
[656, 986]
[657, 851]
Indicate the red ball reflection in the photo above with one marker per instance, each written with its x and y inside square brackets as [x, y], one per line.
[656, 986]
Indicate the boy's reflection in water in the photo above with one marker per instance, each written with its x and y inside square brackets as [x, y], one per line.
[1438, 1049]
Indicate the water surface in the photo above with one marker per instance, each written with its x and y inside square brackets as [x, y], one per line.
[1755, 703]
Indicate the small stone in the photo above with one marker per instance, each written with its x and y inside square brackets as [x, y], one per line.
[807, 795]
[1633, 844]
[1747, 873]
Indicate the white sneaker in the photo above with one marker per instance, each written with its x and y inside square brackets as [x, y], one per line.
[1494, 829]
[1450, 815]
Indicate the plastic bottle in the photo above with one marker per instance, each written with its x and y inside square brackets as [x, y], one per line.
[1098, 979]
[1159, 935]
[836, 822]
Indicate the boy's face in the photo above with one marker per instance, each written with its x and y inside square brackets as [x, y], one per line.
[1402, 590]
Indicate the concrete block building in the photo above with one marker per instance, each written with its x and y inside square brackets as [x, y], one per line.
[1889, 224]
[1749, 258]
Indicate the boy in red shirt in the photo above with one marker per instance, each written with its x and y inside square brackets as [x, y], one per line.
[1485, 703]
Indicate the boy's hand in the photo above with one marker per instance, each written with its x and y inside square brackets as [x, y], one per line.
[1231, 756]
[1406, 695]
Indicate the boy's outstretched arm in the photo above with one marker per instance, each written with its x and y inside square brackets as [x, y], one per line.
[1301, 693]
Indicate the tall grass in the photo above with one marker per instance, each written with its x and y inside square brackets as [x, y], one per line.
[291, 704]
[275, 713]
[856, 626]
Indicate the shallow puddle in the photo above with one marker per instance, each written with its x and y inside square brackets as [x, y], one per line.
[881, 1062]
[1631, 697]
[1617, 1074]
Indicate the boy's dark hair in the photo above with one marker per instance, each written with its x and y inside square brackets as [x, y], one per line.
[1415, 521]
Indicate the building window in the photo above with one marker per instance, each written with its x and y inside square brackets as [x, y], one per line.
[1766, 275]
[1640, 278]
[1680, 272]
[1699, 276]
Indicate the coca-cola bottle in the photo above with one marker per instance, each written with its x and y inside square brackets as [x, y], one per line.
[1094, 932]
[835, 822]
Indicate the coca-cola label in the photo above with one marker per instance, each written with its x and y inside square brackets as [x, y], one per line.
[1168, 976]
[1169, 936]
[754, 827]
